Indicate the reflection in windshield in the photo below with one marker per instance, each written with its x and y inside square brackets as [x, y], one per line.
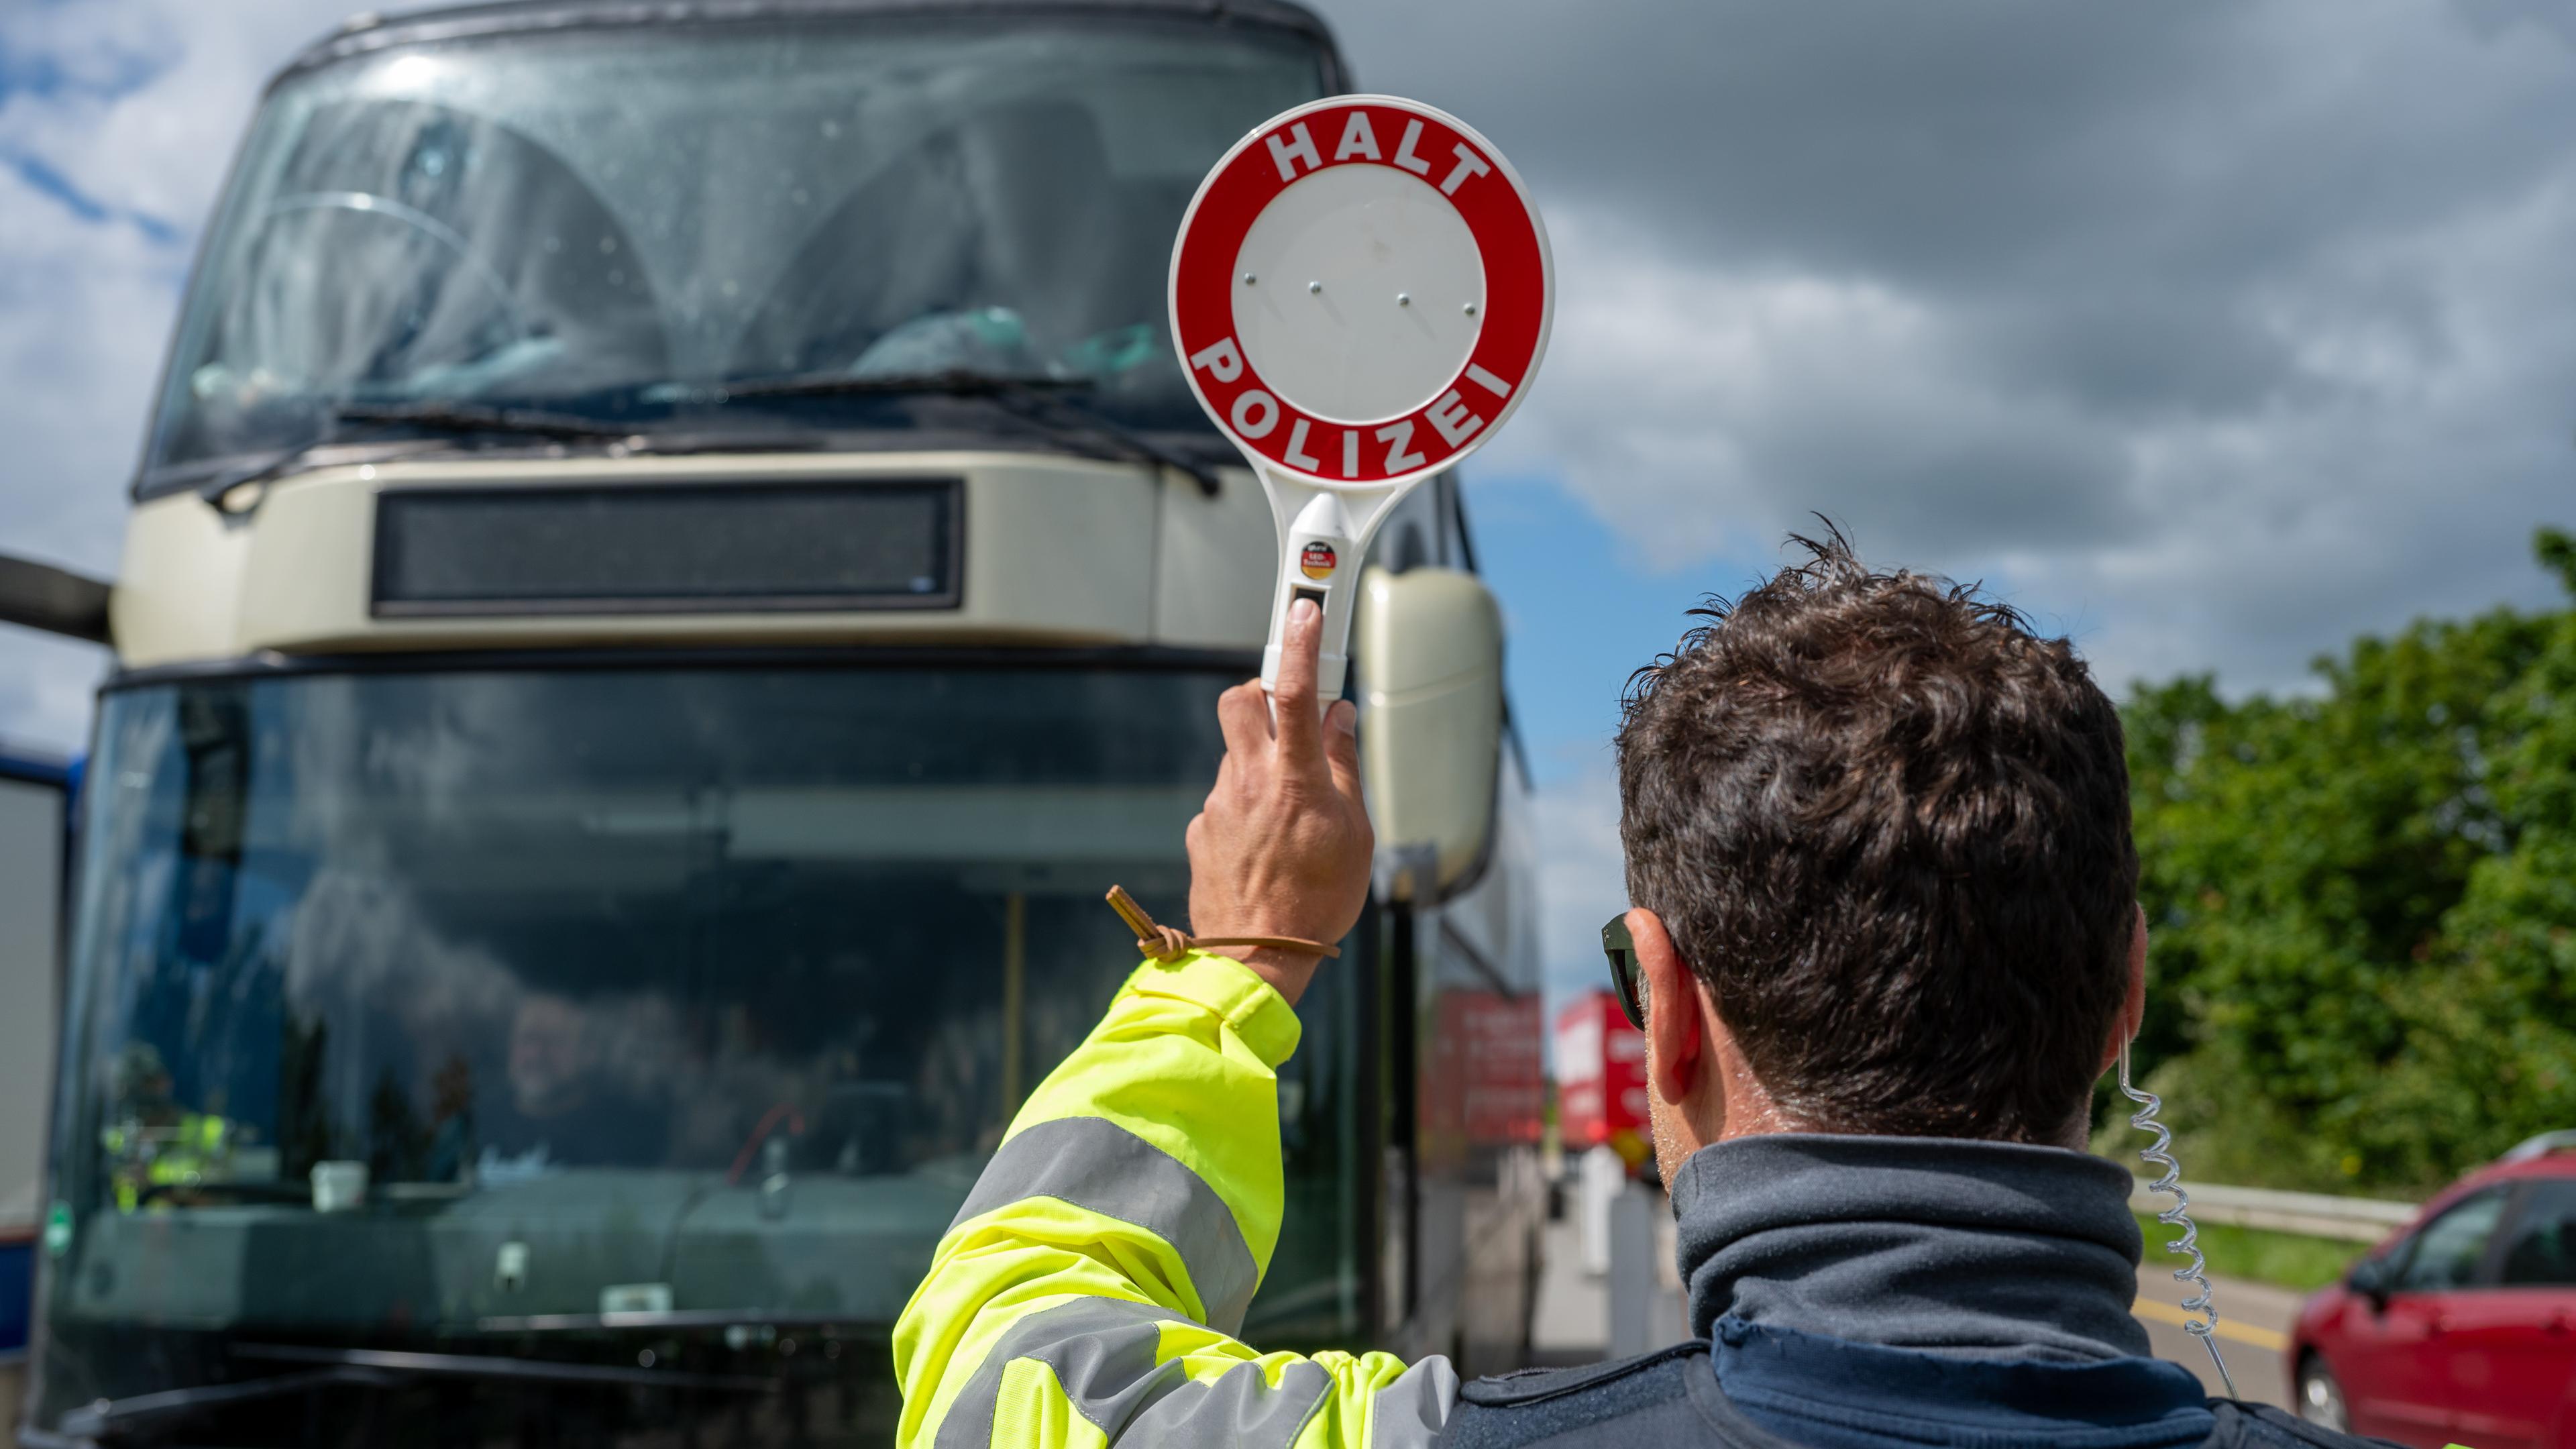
[607, 225]
[467, 999]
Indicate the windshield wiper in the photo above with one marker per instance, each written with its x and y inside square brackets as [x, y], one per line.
[373, 420]
[1042, 401]
[949, 382]
[115, 1418]
[1028, 398]
[668, 1318]
[110, 1419]
[456, 417]
[245, 1190]
[1136, 443]
[488, 1366]
[276, 465]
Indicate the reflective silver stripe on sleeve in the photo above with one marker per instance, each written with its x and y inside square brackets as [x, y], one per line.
[1238, 1406]
[1097, 1165]
[1102, 1351]
[1412, 1411]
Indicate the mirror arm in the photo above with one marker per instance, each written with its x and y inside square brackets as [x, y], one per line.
[1407, 873]
[57, 601]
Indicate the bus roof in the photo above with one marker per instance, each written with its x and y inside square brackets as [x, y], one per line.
[32, 769]
[369, 31]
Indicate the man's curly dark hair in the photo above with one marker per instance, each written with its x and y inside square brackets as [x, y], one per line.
[1888, 825]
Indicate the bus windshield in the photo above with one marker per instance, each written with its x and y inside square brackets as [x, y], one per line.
[462, 1002]
[615, 224]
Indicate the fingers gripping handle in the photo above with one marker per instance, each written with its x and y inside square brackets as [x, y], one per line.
[1319, 559]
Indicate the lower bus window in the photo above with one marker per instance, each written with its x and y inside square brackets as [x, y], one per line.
[623, 991]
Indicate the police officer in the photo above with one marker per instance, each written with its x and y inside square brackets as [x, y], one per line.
[155, 1148]
[1885, 940]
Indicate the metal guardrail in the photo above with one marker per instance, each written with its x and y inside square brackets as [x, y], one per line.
[2317, 1214]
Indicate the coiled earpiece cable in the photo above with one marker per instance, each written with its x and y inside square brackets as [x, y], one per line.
[2196, 1271]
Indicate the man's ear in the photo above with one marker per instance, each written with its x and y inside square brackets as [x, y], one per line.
[2133, 1005]
[1672, 1009]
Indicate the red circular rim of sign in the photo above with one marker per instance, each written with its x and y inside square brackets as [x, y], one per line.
[1518, 297]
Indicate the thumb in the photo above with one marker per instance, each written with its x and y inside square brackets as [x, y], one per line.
[1342, 747]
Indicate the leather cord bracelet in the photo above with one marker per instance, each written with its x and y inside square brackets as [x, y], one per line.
[1170, 943]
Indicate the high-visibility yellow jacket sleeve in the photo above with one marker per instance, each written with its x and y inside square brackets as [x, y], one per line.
[1089, 1290]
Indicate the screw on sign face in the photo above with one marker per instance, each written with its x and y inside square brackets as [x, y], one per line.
[1360, 295]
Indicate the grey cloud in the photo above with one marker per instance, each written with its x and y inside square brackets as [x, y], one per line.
[2139, 174]
[2493, 16]
[1990, 144]
[2221, 331]
[1582, 878]
[2134, 356]
[2224, 329]
[143, 103]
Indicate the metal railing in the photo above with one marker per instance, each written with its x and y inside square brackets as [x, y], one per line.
[2316, 1214]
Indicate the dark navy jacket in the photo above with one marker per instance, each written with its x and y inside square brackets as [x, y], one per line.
[1673, 1398]
[1890, 1293]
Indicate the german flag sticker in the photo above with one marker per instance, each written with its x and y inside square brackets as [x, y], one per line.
[1317, 561]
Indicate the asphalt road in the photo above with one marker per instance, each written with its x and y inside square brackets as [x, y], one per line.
[2253, 1328]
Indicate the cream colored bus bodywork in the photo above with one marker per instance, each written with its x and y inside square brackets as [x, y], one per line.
[1058, 551]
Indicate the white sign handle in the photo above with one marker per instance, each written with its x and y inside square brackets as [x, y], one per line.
[1324, 534]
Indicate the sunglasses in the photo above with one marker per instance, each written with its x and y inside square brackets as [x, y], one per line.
[1625, 980]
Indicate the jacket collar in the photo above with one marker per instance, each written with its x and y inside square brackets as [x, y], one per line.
[1993, 1250]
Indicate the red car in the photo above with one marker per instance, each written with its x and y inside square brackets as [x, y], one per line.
[2462, 1327]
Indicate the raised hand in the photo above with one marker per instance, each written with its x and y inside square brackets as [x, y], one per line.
[1282, 847]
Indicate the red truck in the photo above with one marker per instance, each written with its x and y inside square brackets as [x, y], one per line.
[1601, 1078]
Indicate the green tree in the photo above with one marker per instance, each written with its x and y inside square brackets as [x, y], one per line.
[2362, 971]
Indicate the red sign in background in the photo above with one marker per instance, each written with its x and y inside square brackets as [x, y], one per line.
[1600, 1076]
[1482, 1077]
[1514, 316]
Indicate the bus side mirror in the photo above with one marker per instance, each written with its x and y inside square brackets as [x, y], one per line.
[1429, 648]
[41, 596]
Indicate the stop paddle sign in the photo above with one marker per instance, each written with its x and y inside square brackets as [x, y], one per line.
[1360, 295]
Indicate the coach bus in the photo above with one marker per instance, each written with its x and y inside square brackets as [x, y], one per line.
[33, 792]
[672, 566]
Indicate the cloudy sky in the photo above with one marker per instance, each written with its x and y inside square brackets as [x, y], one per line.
[2211, 332]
